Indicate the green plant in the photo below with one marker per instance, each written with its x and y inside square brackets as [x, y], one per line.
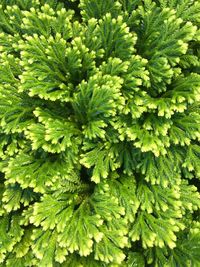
[99, 130]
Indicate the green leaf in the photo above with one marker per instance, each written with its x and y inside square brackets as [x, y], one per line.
[39, 173]
[14, 196]
[160, 170]
[78, 238]
[189, 196]
[53, 135]
[10, 232]
[98, 8]
[187, 251]
[47, 20]
[135, 259]
[116, 40]
[171, 40]
[161, 73]
[25, 261]
[107, 251]
[192, 160]
[45, 247]
[50, 212]
[97, 99]
[103, 159]
[120, 188]
[155, 231]
[156, 198]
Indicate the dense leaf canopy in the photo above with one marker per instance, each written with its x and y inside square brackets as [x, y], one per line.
[99, 133]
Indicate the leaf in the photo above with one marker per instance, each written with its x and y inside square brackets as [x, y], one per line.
[154, 231]
[97, 99]
[189, 196]
[170, 41]
[34, 21]
[42, 77]
[45, 247]
[14, 196]
[185, 90]
[107, 251]
[160, 170]
[77, 237]
[156, 198]
[53, 135]
[185, 128]
[191, 162]
[102, 158]
[97, 9]
[124, 190]
[37, 172]
[106, 202]
[10, 18]
[160, 72]
[77, 228]
[10, 232]
[116, 40]
[10, 144]
[135, 259]
[50, 212]
[22, 248]
[186, 252]
[12, 260]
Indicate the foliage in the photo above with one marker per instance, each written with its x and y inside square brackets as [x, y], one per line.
[99, 133]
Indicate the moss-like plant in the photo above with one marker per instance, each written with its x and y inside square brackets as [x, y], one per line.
[99, 133]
